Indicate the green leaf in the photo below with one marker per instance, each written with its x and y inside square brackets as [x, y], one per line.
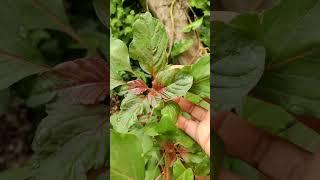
[146, 141]
[100, 7]
[267, 116]
[149, 43]
[302, 136]
[203, 168]
[126, 161]
[181, 46]
[291, 34]
[193, 26]
[179, 88]
[119, 61]
[150, 129]
[204, 31]
[13, 69]
[183, 139]
[173, 82]
[16, 174]
[18, 57]
[178, 168]
[186, 175]
[166, 76]
[131, 107]
[277, 121]
[200, 4]
[152, 170]
[238, 64]
[70, 141]
[295, 31]
[201, 77]
[81, 81]
[169, 115]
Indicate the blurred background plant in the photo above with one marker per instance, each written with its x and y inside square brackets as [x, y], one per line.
[71, 31]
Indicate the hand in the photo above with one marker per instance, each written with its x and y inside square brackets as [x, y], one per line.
[197, 128]
[276, 158]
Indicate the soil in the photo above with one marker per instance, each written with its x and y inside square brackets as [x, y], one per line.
[16, 133]
[115, 104]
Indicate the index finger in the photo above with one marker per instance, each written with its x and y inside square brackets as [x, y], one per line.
[196, 111]
[273, 156]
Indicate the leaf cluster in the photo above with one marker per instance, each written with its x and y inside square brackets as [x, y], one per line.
[148, 113]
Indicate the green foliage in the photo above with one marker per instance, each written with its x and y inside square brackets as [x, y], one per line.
[132, 106]
[149, 44]
[71, 138]
[147, 110]
[238, 65]
[292, 52]
[201, 77]
[181, 46]
[193, 26]
[121, 20]
[201, 24]
[283, 50]
[119, 62]
[126, 161]
[200, 4]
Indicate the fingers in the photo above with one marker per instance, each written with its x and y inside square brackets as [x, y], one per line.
[312, 170]
[196, 111]
[200, 132]
[276, 158]
[188, 126]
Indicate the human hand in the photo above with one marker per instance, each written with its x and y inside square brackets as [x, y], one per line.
[276, 158]
[198, 127]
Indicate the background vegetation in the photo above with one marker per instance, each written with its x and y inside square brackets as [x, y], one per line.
[266, 68]
[53, 88]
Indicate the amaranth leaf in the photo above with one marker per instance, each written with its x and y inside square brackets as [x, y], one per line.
[81, 81]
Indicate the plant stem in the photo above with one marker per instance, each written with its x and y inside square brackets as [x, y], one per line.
[273, 66]
[172, 26]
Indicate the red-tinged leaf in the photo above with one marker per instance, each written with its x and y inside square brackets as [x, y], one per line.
[89, 77]
[170, 157]
[152, 98]
[137, 87]
[157, 86]
[170, 153]
[80, 81]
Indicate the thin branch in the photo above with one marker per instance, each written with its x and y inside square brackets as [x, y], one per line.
[273, 66]
[199, 44]
[194, 13]
[172, 26]
[147, 4]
